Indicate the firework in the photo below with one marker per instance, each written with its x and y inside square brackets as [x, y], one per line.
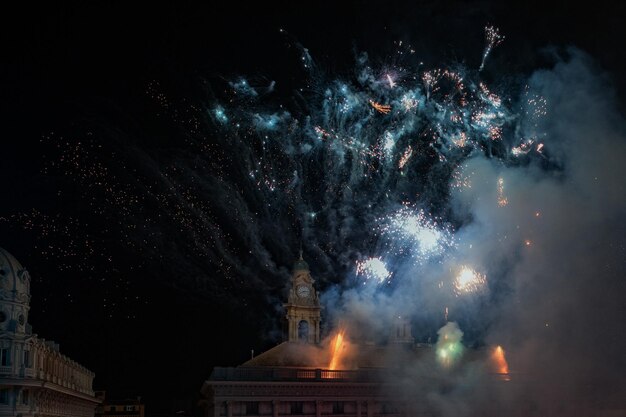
[278, 168]
[492, 39]
[409, 102]
[405, 157]
[220, 114]
[502, 200]
[337, 346]
[416, 233]
[381, 108]
[499, 362]
[449, 348]
[373, 268]
[523, 148]
[468, 280]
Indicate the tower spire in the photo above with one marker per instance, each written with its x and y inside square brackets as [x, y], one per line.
[303, 305]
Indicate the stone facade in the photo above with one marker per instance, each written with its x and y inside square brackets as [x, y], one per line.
[303, 306]
[293, 378]
[35, 378]
[308, 392]
[290, 378]
[131, 407]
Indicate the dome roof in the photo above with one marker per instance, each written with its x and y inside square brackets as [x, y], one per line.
[300, 265]
[14, 279]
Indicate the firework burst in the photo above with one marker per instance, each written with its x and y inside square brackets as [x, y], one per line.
[373, 268]
[414, 233]
[468, 281]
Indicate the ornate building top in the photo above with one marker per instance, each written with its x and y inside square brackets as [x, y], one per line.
[14, 295]
[300, 264]
[303, 306]
[27, 361]
[14, 279]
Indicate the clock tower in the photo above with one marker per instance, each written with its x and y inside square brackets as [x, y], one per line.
[303, 306]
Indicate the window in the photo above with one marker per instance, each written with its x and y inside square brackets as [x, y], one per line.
[112, 408]
[252, 408]
[4, 396]
[303, 330]
[25, 397]
[338, 407]
[4, 356]
[27, 359]
[129, 408]
[296, 407]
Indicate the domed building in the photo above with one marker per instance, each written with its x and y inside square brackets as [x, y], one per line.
[35, 378]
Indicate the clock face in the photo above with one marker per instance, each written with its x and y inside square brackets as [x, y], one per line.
[303, 291]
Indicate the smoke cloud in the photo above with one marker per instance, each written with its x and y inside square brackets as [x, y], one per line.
[553, 255]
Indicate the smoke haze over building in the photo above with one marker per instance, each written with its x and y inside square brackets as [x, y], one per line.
[427, 170]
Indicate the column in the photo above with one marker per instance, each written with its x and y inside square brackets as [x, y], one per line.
[358, 408]
[293, 331]
[275, 404]
[370, 408]
[229, 408]
[318, 408]
[317, 331]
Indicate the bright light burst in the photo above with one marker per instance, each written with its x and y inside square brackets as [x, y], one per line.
[353, 147]
[500, 360]
[336, 349]
[449, 348]
[493, 39]
[416, 233]
[373, 268]
[469, 280]
[499, 363]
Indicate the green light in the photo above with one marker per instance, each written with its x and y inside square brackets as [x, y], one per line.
[449, 348]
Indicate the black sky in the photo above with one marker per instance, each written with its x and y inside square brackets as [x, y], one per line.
[78, 68]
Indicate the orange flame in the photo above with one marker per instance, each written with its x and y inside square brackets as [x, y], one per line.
[500, 360]
[337, 345]
[381, 108]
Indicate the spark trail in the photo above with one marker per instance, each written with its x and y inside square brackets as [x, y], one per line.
[360, 171]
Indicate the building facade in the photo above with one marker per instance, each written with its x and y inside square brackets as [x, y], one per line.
[301, 376]
[132, 407]
[296, 377]
[35, 378]
[303, 306]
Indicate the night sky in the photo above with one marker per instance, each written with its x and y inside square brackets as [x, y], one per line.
[159, 236]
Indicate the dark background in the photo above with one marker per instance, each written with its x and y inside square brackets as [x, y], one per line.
[87, 67]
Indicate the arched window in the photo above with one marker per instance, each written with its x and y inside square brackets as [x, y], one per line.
[303, 330]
